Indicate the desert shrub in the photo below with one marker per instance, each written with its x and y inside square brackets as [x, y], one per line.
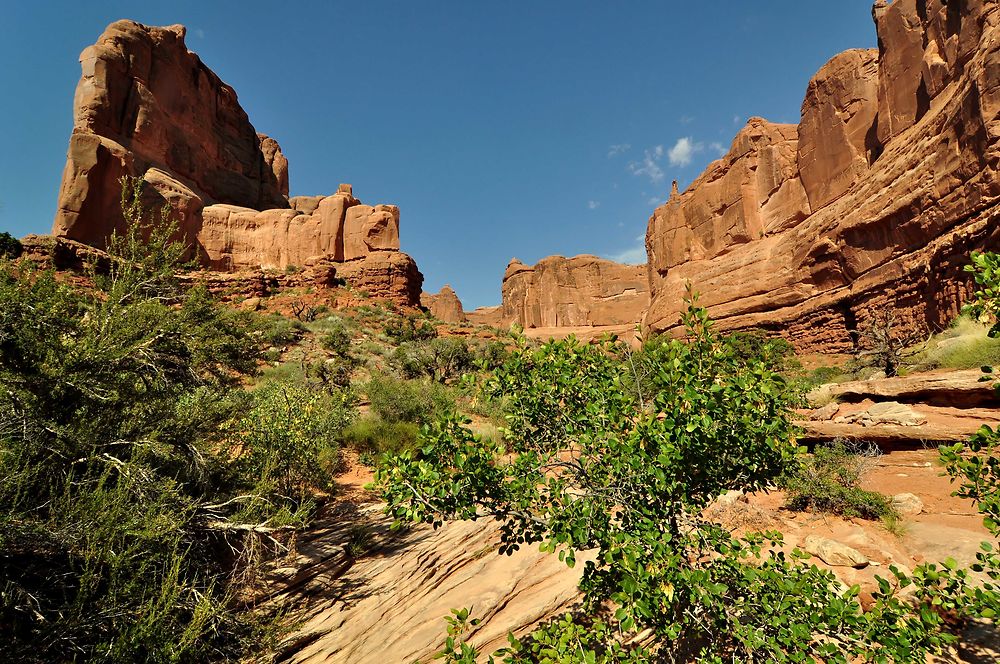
[400, 329]
[441, 359]
[337, 338]
[419, 402]
[829, 481]
[287, 442]
[375, 435]
[10, 246]
[121, 535]
[966, 344]
[277, 330]
[583, 469]
[808, 380]
[490, 355]
[777, 353]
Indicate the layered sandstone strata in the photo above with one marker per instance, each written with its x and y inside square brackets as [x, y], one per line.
[148, 107]
[872, 201]
[444, 305]
[573, 292]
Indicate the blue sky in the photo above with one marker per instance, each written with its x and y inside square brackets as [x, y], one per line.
[500, 129]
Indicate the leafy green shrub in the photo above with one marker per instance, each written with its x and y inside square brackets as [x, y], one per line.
[441, 359]
[119, 520]
[584, 469]
[400, 329]
[337, 339]
[829, 481]
[419, 402]
[775, 352]
[10, 246]
[374, 435]
[287, 442]
[276, 330]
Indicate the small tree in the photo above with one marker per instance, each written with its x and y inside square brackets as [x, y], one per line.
[884, 345]
[10, 246]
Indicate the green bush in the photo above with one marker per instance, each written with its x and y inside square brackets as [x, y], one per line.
[418, 402]
[10, 246]
[374, 435]
[442, 359]
[276, 330]
[829, 481]
[287, 442]
[119, 513]
[400, 329]
[336, 339]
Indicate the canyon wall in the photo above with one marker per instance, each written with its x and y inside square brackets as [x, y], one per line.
[873, 201]
[582, 291]
[148, 107]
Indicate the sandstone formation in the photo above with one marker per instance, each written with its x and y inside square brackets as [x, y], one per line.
[573, 292]
[148, 107]
[489, 316]
[874, 200]
[444, 305]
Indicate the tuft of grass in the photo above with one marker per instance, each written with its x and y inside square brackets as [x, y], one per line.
[894, 524]
[372, 436]
[964, 345]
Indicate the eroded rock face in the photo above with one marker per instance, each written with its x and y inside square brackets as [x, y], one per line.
[444, 305]
[573, 292]
[873, 201]
[148, 107]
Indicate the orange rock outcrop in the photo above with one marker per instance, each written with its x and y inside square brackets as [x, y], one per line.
[146, 106]
[573, 292]
[874, 200]
[444, 305]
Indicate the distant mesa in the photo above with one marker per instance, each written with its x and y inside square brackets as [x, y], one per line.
[146, 106]
[873, 201]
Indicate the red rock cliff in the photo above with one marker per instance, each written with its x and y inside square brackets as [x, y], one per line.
[147, 106]
[573, 292]
[873, 200]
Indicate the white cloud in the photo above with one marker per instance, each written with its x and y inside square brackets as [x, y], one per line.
[617, 149]
[686, 119]
[654, 200]
[649, 166]
[634, 255]
[593, 205]
[199, 33]
[718, 148]
[682, 152]
[737, 120]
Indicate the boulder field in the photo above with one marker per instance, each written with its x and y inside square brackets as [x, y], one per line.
[148, 107]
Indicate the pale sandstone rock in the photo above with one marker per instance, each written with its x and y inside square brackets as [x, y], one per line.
[572, 292]
[907, 504]
[834, 553]
[444, 305]
[806, 230]
[489, 316]
[886, 412]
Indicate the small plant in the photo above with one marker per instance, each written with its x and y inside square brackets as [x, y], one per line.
[306, 312]
[829, 481]
[373, 436]
[409, 328]
[277, 330]
[360, 540]
[293, 269]
[396, 400]
[337, 339]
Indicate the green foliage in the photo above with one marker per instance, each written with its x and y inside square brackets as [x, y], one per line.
[336, 339]
[286, 443]
[396, 400]
[985, 304]
[277, 330]
[119, 516]
[441, 359]
[594, 463]
[401, 329]
[776, 353]
[376, 436]
[829, 481]
[10, 246]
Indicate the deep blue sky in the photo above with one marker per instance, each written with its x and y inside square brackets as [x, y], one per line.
[499, 128]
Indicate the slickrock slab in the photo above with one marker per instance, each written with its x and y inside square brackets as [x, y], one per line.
[402, 591]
